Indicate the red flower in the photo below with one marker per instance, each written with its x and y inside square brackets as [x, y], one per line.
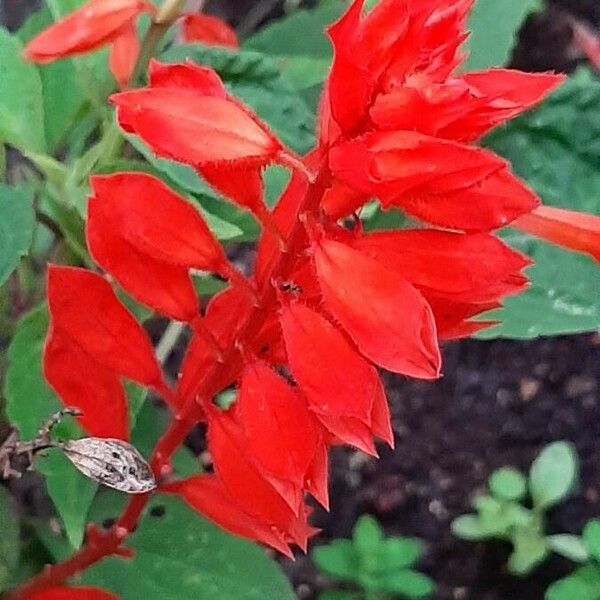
[97, 23]
[208, 30]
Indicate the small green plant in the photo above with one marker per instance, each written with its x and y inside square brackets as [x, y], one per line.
[378, 568]
[502, 514]
[584, 583]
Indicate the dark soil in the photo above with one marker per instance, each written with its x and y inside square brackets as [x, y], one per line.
[498, 404]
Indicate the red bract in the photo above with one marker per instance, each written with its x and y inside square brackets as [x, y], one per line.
[439, 181]
[348, 398]
[92, 331]
[394, 328]
[95, 24]
[281, 433]
[208, 495]
[474, 267]
[208, 30]
[74, 593]
[139, 230]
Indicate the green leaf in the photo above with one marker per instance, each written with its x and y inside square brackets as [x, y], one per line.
[338, 559]
[508, 484]
[71, 493]
[367, 535]
[398, 553]
[494, 26]
[468, 527]
[17, 221]
[258, 81]
[591, 538]
[9, 539]
[556, 150]
[569, 546]
[299, 43]
[21, 107]
[553, 474]
[180, 556]
[529, 551]
[407, 583]
[584, 584]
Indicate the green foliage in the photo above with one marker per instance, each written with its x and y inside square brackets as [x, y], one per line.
[494, 27]
[584, 582]
[16, 227]
[379, 567]
[180, 556]
[9, 539]
[21, 106]
[555, 149]
[501, 515]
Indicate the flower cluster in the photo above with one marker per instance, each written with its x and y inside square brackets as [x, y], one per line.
[328, 303]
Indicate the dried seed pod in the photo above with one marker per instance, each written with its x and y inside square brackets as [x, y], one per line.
[114, 463]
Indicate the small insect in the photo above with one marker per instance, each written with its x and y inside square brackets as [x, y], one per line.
[114, 463]
[290, 287]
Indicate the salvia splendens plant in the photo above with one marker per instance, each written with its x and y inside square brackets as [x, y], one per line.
[327, 303]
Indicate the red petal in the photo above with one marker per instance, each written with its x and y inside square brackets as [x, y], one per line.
[202, 80]
[452, 318]
[495, 202]
[340, 200]
[394, 164]
[476, 267]
[208, 495]
[94, 24]
[281, 432]
[348, 103]
[243, 186]
[180, 124]
[157, 221]
[243, 480]
[85, 308]
[344, 399]
[225, 314]
[573, 230]
[208, 30]
[497, 95]
[171, 293]
[81, 382]
[317, 477]
[74, 593]
[124, 54]
[388, 319]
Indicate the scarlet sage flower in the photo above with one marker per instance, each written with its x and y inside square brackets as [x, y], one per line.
[74, 593]
[95, 24]
[208, 30]
[187, 115]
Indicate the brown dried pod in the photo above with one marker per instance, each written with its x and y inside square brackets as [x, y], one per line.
[113, 463]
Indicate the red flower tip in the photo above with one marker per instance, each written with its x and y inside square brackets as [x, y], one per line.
[184, 116]
[208, 30]
[96, 23]
[74, 593]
